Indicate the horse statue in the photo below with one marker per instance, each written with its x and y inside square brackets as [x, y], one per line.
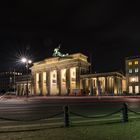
[58, 53]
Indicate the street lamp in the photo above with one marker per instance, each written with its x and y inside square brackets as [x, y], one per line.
[26, 62]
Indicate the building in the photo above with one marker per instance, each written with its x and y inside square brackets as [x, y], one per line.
[59, 75]
[69, 75]
[22, 82]
[133, 74]
[7, 80]
[110, 83]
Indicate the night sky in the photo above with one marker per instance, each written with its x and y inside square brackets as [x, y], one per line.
[107, 29]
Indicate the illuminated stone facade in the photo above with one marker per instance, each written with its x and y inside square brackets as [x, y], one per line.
[111, 83]
[69, 75]
[59, 75]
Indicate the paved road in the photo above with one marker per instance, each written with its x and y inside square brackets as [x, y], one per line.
[43, 106]
[33, 108]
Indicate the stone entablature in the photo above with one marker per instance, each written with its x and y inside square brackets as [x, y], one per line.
[103, 74]
[59, 62]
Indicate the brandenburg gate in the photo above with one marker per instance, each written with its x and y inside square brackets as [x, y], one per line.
[59, 75]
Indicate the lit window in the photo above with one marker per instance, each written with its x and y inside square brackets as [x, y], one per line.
[130, 70]
[136, 62]
[130, 89]
[134, 79]
[136, 70]
[129, 63]
[136, 89]
[137, 79]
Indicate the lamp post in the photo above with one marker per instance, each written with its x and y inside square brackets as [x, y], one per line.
[26, 62]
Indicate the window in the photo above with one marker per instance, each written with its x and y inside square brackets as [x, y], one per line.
[136, 70]
[134, 79]
[136, 62]
[130, 70]
[129, 63]
[136, 89]
[130, 89]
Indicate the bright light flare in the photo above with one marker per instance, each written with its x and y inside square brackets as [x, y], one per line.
[133, 79]
[24, 60]
[29, 61]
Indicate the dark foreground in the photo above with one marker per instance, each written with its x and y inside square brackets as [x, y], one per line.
[106, 131]
[33, 114]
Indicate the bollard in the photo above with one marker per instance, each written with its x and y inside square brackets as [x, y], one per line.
[125, 113]
[66, 116]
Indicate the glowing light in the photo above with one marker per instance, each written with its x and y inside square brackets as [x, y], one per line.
[136, 62]
[29, 61]
[133, 79]
[23, 60]
[129, 63]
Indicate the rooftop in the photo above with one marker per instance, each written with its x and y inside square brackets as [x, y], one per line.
[52, 60]
[132, 57]
[103, 74]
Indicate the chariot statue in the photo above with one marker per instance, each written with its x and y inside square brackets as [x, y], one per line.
[56, 52]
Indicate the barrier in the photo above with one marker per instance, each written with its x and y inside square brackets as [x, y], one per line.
[125, 113]
[18, 120]
[66, 116]
[66, 112]
[95, 117]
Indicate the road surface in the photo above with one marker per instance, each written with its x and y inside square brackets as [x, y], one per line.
[39, 109]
